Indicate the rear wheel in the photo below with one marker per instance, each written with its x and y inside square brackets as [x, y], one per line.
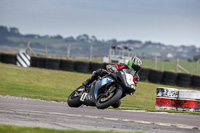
[108, 99]
[74, 98]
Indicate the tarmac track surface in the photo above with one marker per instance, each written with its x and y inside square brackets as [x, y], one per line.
[32, 112]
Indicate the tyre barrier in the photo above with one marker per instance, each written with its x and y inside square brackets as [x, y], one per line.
[144, 72]
[183, 80]
[94, 66]
[34, 61]
[174, 99]
[67, 65]
[166, 98]
[0, 57]
[189, 100]
[53, 64]
[169, 78]
[155, 76]
[82, 66]
[41, 62]
[8, 58]
[195, 82]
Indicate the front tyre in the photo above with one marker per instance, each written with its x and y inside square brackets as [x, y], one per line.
[105, 101]
[74, 98]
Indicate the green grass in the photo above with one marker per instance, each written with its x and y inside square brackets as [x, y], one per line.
[170, 65]
[20, 129]
[39, 83]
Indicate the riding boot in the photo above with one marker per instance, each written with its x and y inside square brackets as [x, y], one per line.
[90, 80]
[117, 104]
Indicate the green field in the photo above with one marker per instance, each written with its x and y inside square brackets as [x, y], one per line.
[170, 65]
[57, 85]
[19, 129]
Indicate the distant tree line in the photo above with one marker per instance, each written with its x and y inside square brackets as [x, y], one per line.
[80, 45]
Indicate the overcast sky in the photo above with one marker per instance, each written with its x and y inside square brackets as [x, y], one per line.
[173, 22]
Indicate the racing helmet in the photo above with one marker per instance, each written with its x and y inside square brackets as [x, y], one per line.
[135, 64]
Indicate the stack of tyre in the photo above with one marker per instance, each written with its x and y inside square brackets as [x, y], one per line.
[8, 58]
[174, 99]
[166, 98]
[81, 66]
[67, 65]
[169, 78]
[144, 72]
[195, 81]
[155, 76]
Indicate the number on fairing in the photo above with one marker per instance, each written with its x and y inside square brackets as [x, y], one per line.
[83, 96]
[129, 79]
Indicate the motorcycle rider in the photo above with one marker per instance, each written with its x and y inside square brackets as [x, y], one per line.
[134, 64]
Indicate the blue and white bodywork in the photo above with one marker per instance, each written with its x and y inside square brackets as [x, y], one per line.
[101, 83]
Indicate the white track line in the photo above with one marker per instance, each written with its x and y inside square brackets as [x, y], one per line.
[115, 119]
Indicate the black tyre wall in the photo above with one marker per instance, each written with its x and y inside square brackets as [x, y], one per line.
[67, 65]
[53, 64]
[41, 63]
[82, 66]
[34, 61]
[8, 58]
[95, 66]
[183, 80]
[155, 76]
[169, 78]
[144, 72]
[195, 81]
[0, 57]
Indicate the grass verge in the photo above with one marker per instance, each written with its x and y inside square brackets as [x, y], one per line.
[20, 129]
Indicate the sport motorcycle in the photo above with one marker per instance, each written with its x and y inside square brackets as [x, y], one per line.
[106, 91]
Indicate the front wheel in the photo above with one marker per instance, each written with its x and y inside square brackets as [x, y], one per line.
[105, 101]
[74, 98]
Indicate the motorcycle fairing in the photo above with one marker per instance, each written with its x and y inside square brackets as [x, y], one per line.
[101, 83]
[130, 88]
[90, 99]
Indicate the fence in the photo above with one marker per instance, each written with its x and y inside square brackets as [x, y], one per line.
[146, 74]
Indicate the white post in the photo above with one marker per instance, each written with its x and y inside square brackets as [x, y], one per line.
[177, 64]
[90, 52]
[156, 60]
[109, 55]
[162, 60]
[197, 66]
[68, 51]
[46, 50]
[29, 50]
[28, 47]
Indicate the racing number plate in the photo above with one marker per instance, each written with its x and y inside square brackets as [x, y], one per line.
[83, 96]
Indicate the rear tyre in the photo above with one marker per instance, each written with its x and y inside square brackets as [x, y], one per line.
[105, 101]
[74, 98]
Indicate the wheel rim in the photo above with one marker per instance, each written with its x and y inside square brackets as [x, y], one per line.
[105, 98]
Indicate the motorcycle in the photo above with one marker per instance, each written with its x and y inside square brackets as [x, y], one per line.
[105, 91]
